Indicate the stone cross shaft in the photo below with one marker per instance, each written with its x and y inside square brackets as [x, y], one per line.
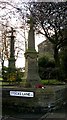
[12, 51]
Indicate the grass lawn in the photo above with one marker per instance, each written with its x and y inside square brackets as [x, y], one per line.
[51, 82]
[1, 81]
[1, 78]
[44, 82]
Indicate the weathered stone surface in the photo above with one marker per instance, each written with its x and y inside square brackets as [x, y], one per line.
[31, 66]
[43, 97]
[12, 51]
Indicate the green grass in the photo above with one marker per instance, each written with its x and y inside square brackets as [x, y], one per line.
[44, 82]
[1, 81]
[1, 78]
[51, 82]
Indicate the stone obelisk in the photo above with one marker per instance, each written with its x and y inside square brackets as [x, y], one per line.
[31, 66]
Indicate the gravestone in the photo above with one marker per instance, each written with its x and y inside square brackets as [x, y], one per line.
[31, 66]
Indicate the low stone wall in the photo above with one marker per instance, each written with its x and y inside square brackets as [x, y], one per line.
[43, 97]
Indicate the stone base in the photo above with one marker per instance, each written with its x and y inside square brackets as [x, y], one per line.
[31, 68]
[29, 83]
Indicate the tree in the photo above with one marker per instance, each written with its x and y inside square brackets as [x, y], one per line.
[63, 60]
[4, 47]
[50, 19]
[12, 16]
[46, 68]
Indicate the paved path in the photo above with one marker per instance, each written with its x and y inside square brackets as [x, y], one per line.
[49, 116]
[22, 117]
[54, 116]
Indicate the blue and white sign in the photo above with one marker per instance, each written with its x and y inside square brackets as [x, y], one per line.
[21, 93]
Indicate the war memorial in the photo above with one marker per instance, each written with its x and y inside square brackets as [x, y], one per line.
[27, 98]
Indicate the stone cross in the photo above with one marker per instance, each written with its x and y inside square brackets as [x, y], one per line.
[31, 36]
[12, 51]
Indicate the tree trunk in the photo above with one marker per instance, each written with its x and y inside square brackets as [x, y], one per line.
[56, 57]
[2, 68]
[57, 64]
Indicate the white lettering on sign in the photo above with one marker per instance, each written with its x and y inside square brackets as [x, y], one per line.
[21, 94]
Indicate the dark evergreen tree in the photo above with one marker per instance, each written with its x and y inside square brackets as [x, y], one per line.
[46, 68]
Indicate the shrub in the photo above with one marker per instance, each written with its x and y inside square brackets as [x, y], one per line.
[46, 68]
